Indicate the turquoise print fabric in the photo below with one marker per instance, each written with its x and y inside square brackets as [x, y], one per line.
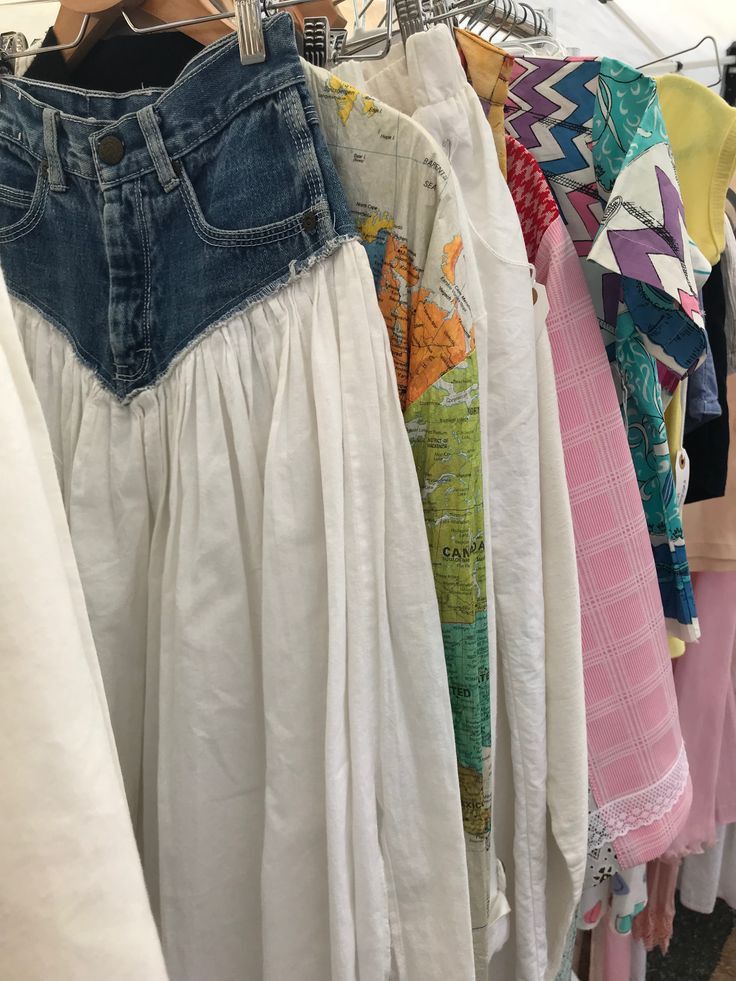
[597, 131]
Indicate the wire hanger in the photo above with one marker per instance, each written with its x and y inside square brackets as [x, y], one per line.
[520, 19]
[680, 66]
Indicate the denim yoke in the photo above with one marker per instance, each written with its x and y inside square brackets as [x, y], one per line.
[135, 222]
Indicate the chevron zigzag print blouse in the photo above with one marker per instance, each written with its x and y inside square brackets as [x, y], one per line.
[596, 129]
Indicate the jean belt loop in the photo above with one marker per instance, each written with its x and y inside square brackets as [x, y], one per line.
[57, 181]
[157, 148]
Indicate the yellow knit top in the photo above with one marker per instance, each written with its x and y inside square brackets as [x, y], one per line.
[702, 131]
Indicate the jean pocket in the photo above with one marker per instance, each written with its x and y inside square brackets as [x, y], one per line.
[239, 237]
[21, 207]
[257, 180]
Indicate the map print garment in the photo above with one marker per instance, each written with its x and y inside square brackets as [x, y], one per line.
[535, 594]
[636, 765]
[415, 234]
[596, 129]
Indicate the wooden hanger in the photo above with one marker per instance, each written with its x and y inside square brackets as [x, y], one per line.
[104, 13]
[318, 8]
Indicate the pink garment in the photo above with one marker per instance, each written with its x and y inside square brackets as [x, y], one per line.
[637, 763]
[653, 926]
[610, 954]
[704, 679]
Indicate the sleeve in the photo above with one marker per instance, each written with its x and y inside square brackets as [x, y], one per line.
[642, 236]
[567, 749]
[73, 899]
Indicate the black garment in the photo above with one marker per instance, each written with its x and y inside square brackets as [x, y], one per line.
[707, 446]
[120, 63]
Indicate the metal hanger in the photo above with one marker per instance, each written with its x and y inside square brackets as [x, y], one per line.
[520, 19]
[413, 17]
[679, 65]
[358, 51]
[247, 14]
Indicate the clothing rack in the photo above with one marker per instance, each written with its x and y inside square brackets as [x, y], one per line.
[515, 17]
[518, 18]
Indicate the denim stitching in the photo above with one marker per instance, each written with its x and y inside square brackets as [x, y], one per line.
[157, 149]
[311, 114]
[25, 225]
[221, 240]
[15, 196]
[314, 175]
[51, 144]
[146, 267]
[216, 318]
[121, 372]
[202, 136]
[302, 150]
[263, 235]
[82, 354]
[249, 298]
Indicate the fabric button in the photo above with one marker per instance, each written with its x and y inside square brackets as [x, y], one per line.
[111, 149]
[309, 221]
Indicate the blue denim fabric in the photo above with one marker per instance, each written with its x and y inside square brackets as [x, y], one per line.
[225, 188]
[702, 403]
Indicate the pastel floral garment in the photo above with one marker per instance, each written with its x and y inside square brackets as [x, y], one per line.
[596, 129]
[609, 887]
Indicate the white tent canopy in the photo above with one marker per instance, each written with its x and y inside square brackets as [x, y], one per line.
[670, 25]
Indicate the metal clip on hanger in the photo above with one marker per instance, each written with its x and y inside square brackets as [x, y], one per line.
[249, 27]
[317, 44]
[410, 16]
[248, 16]
[344, 52]
[338, 40]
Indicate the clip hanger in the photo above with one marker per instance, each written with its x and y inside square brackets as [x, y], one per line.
[248, 16]
[316, 34]
[249, 27]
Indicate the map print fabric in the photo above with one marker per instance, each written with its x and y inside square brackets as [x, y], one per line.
[414, 234]
[596, 129]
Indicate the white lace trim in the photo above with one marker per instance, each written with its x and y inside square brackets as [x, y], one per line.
[625, 814]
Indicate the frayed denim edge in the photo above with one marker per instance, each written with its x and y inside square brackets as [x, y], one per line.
[297, 267]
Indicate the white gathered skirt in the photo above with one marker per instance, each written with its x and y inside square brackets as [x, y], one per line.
[251, 544]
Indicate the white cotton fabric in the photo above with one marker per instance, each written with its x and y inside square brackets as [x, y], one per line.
[252, 548]
[73, 903]
[567, 745]
[425, 214]
[539, 651]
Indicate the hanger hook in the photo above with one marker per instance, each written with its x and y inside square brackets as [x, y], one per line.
[506, 13]
[694, 47]
[514, 19]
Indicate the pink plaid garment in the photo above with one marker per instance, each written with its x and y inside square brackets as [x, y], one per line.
[637, 763]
